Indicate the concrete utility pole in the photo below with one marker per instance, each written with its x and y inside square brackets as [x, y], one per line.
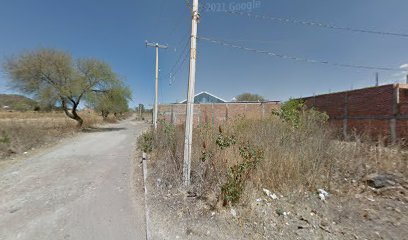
[188, 139]
[156, 97]
[377, 79]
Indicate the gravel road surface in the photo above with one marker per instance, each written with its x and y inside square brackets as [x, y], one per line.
[83, 188]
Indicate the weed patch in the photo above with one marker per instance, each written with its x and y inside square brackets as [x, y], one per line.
[23, 131]
[292, 150]
[240, 173]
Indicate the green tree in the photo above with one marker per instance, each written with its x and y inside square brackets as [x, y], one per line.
[114, 100]
[53, 76]
[140, 109]
[296, 113]
[250, 97]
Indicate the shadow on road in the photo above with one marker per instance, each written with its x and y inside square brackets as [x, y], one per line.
[94, 130]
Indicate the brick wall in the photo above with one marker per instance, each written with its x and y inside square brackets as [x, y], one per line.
[377, 111]
[217, 112]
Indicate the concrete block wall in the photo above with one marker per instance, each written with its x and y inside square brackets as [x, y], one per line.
[217, 112]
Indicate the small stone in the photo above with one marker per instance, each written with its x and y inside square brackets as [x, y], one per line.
[270, 194]
[280, 211]
[233, 212]
[189, 231]
[370, 199]
[14, 210]
[324, 223]
[323, 194]
[380, 180]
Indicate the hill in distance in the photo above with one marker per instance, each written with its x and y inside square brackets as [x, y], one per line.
[16, 102]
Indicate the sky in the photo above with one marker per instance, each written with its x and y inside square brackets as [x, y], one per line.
[116, 30]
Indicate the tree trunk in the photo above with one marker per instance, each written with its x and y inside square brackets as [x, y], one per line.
[105, 114]
[77, 117]
[73, 114]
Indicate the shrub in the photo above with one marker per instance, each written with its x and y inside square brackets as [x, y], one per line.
[289, 151]
[4, 139]
[294, 110]
[240, 173]
[145, 142]
[224, 141]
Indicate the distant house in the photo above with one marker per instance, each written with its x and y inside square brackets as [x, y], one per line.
[205, 97]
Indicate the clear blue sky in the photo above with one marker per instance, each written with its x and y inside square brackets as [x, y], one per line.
[115, 31]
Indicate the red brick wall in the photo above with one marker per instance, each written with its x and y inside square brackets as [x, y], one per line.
[403, 99]
[369, 110]
[216, 113]
[365, 111]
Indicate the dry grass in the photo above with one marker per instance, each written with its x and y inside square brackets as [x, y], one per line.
[23, 131]
[280, 157]
[292, 157]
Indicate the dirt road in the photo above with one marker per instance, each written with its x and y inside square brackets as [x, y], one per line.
[80, 189]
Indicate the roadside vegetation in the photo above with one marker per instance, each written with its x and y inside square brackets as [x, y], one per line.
[13, 102]
[59, 85]
[22, 132]
[292, 153]
[250, 97]
[53, 77]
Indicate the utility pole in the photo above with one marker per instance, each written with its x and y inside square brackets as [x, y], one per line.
[188, 138]
[156, 97]
[377, 81]
[141, 110]
[407, 79]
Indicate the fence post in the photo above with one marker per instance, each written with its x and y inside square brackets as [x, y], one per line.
[314, 99]
[212, 113]
[172, 114]
[226, 112]
[345, 118]
[198, 114]
[263, 111]
[395, 110]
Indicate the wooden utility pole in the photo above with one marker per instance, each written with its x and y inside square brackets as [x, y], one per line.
[188, 138]
[156, 97]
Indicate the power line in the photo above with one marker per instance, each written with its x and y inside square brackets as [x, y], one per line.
[181, 59]
[298, 59]
[176, 26]
[174, 74]
[185, 37]
[314, 24]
